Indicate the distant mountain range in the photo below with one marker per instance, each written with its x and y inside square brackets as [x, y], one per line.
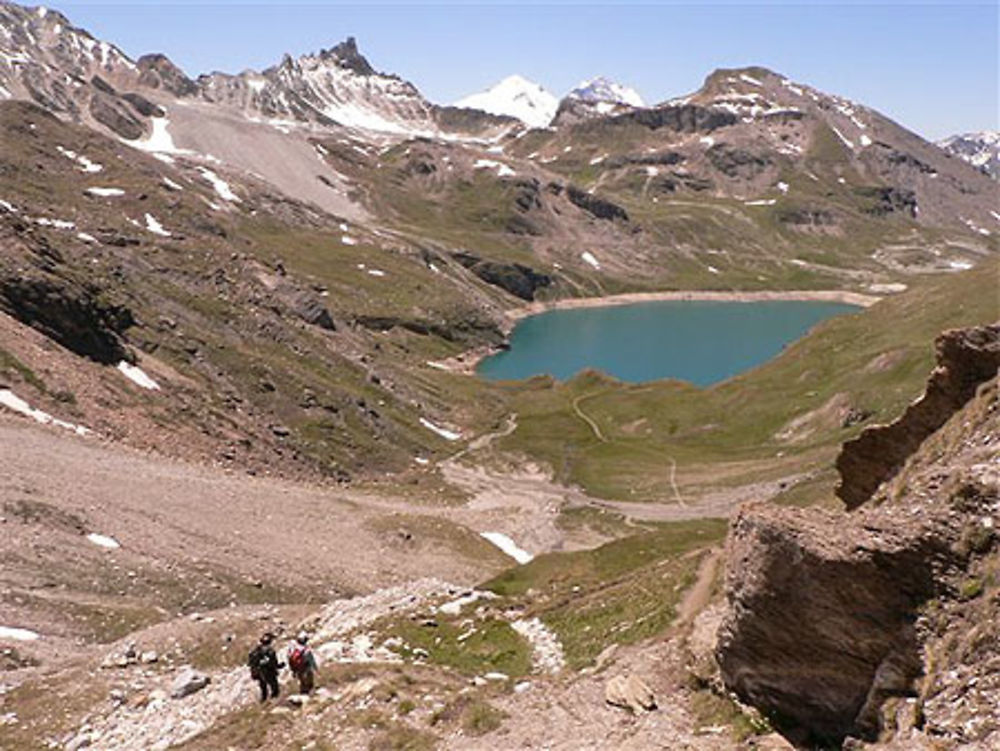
[533, 105]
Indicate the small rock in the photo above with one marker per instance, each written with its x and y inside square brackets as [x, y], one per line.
[520, 688]
[496, 676]
[298, 700]
[189, 681]
[478, 681]
[148, 657]
[117, 696]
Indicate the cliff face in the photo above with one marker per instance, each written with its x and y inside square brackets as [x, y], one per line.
[877, 624]
[965, 359]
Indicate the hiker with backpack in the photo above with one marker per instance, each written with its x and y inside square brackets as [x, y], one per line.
[302, 662]
[264, 666]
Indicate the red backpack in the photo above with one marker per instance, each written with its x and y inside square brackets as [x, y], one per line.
[297, 658]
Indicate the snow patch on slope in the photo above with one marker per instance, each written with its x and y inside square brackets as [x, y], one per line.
[138, 376]
[508, 546]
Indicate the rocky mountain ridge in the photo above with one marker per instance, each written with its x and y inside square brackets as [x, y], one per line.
[46, 59]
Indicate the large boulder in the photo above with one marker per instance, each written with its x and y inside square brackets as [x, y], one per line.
[189, 681]
[631, 693]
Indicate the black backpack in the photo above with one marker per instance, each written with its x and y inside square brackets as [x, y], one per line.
[256, 661]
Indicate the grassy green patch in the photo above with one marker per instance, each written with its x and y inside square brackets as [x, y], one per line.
[621, 592]
[10, 365]
[710, 709]
[492, 645]
[396, 736]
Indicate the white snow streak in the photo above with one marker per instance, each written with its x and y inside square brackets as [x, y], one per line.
[57, 223]
[502, 169]
[155, 227]
[220, 185]
[103, 541]
[17, 634]
[12, 401]
[85, 164]
[849, 144]
[138, 376]
[508, 546]
[589, 258]
[105, 192]
[448, 435]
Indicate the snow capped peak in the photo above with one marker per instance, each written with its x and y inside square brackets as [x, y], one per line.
[981, 150]
[603, 89]
[517, 97]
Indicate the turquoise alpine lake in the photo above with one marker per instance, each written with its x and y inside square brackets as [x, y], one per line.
[702, 342]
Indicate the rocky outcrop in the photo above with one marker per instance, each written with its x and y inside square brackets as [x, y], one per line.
[806, 216]
[820, 627]
[858, 624]
[662, 158]
[735, 162]
[687, 118]
[965, 359]
[463, 328]
[883, 200]
[599, 208]
[112, 113]
[518, 279]
[80, 319]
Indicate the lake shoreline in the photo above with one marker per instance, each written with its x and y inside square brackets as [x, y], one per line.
[467, 362]
[631, 298]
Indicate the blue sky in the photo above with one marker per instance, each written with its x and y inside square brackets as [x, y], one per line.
[931, 67]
